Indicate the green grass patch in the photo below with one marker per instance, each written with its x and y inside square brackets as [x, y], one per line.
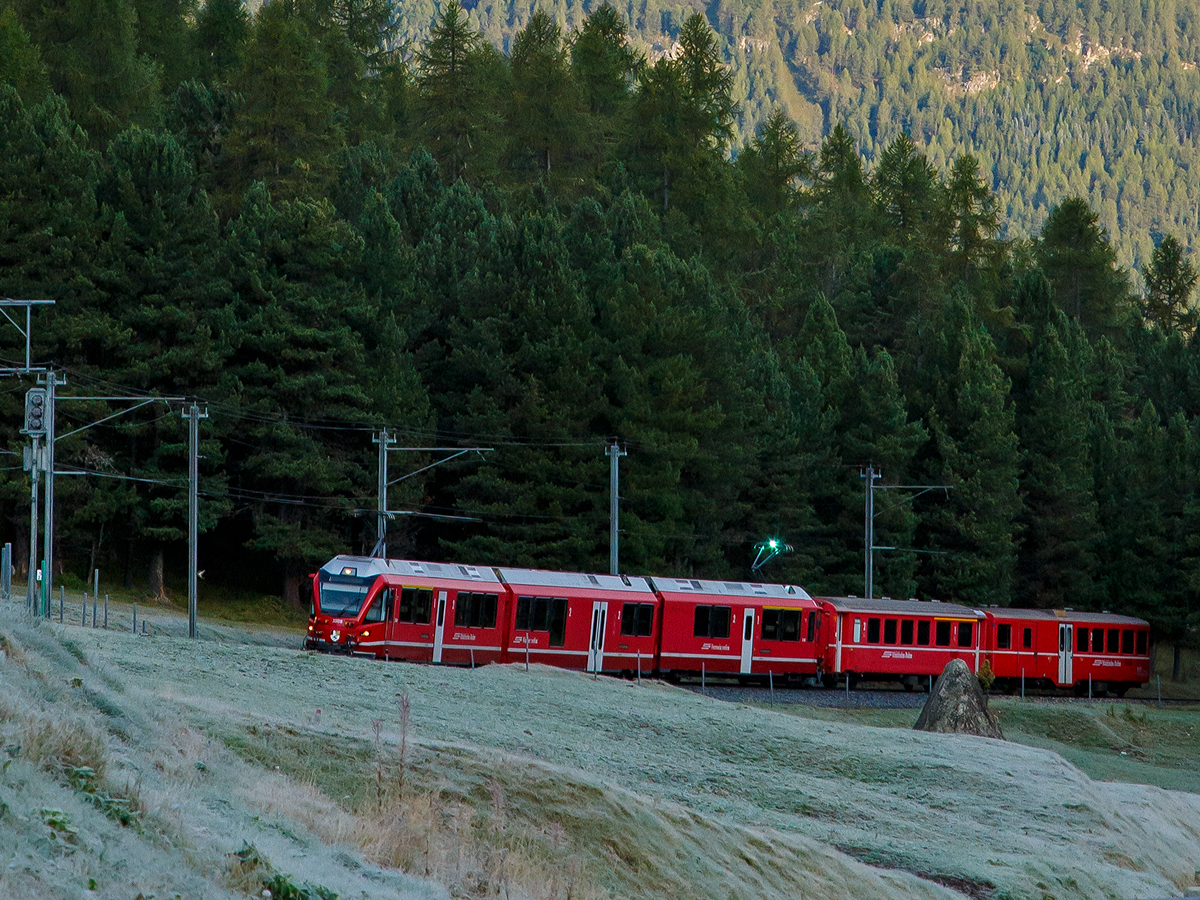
[1160, 746]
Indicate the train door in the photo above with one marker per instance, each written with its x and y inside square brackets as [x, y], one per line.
[747, 639]
[1065, 644]
[439, 626]
[595, 661]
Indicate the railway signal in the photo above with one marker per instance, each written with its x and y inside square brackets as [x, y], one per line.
[35, 412]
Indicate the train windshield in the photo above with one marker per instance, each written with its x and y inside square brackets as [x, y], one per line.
[342, 595]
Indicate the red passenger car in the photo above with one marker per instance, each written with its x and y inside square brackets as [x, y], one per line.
[1063, 648]
[400, 609]
[598, 623]
[737, 628]
[896, 640]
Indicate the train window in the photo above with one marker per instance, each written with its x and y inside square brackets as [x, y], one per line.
[416, 606]
[1114, 640]
[637, 619]
[781, 625]
[1127, 641]
[942, 634]
[557, 621]
[872, 631]
[381, 606]
[540, 620]
[1097, 640]
[1027, 639]
[712, 621]
[923, 632]
[543, 614]
[889, 631]
[906, 631]
[812, 626]
[965, 633]
[342, 595]
[1142, 638]
[1081, 640]
[1003, 637]
[473, 610]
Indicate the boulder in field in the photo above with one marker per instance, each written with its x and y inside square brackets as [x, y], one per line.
[957, 705]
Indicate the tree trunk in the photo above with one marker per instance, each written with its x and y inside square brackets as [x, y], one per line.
[1177, 665]
[291, 590]
[157, 591]
[129, 557]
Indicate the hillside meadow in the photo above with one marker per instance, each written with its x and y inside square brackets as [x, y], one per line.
[168, 767]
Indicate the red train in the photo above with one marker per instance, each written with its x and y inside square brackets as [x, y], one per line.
[673, 627]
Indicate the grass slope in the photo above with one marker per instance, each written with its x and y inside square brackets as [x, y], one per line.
[540, 784]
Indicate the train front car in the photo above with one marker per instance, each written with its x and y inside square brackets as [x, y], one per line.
[1062, 648]
[908, 641]
[406, 610]
[597, 623]
[341, 590]
[748, 630]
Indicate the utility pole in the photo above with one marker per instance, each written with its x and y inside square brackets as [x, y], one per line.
[31, 596]
[193, 416]
[871, 475]
[384, 441]
[614, 453]
[869, 575]
[51, 381]
[35, 411]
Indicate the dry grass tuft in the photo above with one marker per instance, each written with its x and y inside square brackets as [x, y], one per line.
[246, 870]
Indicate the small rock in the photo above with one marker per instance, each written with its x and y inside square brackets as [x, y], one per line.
[957, 705]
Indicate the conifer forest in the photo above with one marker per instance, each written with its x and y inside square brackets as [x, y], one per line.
[762, 245]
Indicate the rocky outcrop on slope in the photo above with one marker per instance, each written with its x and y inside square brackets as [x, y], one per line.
[957, 705]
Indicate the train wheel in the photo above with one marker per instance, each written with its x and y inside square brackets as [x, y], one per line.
[1118, 690]
[829, 682]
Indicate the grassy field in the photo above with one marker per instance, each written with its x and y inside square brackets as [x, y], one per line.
[201, 769]
[1136, 743]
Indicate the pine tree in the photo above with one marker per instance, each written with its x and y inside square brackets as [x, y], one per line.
[1056, 564]
[299, 369]
[1170, 280]
[772, 165]
[91, 52]
[457, 112]
[972, 528]
[286, 130]
[546, 110]
[1081, 266]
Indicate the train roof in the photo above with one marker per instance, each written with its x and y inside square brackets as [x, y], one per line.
[1067, 616]
[749, 590]
[579, 580]
[365, 566]
[902, 607]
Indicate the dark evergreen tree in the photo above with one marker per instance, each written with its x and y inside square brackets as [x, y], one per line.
[1081, 265]
[1170, 280]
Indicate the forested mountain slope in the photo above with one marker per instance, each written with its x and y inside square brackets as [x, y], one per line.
[1055, 97]
[542, 248]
